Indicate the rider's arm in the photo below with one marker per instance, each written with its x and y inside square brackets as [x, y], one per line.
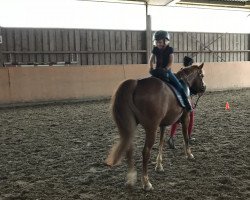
[151, 61]
[171, 60]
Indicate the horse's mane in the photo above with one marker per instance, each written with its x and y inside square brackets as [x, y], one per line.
[186, 70]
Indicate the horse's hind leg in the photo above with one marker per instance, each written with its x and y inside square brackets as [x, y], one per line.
[185, 124]
[159, 166]
[132, 174]
[128, 132]
[149, 142]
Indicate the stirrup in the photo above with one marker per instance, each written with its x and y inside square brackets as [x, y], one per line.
[188, 108]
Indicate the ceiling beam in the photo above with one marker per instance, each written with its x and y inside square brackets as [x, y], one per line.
[148, 2]
[160, 2]
[214, 3]
[205, 3]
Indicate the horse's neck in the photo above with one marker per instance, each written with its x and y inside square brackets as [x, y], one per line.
[186, 77]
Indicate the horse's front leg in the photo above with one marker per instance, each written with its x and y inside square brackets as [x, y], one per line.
[159, 166]
[149, 142]
[185, 123]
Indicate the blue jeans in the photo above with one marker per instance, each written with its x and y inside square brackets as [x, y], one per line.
[176, 83]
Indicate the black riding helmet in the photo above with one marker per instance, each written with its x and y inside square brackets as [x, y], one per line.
[187, 61]
[161, 35]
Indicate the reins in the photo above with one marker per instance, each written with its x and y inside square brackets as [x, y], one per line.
[196, 103]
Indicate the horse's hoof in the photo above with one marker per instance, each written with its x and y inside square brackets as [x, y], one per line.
[148, 187]
[131, 179]
[129, 185]
[159, 168]
[191, 140]
[191, 157]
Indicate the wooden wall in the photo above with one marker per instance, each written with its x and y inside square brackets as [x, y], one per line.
[42, 84]
[111, 47]
[211, 47]
[86, 47]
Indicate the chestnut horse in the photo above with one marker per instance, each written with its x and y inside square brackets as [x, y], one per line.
[151, 103]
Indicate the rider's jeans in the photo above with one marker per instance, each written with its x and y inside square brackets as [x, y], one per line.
[176, 83]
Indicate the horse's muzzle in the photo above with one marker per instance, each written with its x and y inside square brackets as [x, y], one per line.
[203, 88]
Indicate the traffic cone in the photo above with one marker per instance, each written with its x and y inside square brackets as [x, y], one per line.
[227, 106]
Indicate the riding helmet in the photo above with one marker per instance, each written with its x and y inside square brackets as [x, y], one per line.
[161, 35]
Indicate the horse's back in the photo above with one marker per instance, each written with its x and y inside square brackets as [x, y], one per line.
[153, 89]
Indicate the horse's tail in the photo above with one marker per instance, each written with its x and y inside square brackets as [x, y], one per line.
[123, 110]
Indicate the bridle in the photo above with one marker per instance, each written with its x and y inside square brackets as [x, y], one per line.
[196, 103]
[186, 77]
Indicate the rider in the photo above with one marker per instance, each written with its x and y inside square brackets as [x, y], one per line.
[164, 59]
[187, 61]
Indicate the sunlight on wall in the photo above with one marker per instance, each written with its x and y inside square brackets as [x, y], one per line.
[98, 15]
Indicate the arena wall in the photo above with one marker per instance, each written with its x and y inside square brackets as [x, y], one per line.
[39, 84]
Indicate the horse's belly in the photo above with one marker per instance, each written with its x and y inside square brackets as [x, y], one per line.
[170, 119]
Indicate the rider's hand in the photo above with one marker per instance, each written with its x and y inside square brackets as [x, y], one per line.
[165, 69]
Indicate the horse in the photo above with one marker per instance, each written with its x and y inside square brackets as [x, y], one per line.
[151, 103]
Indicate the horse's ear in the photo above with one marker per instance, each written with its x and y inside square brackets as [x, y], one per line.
[201, 66]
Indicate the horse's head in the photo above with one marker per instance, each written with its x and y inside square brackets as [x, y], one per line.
[193, 77]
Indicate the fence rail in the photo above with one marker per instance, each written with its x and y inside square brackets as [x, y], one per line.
[108, 47]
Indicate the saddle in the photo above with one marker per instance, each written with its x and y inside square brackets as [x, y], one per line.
[161, 74]
[177, 94]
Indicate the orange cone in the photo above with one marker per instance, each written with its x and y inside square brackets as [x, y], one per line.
[227, 106]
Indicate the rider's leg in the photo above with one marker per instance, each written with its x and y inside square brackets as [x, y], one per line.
[159, 73]
[173, 129]
[170, 141]
[180, 89]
